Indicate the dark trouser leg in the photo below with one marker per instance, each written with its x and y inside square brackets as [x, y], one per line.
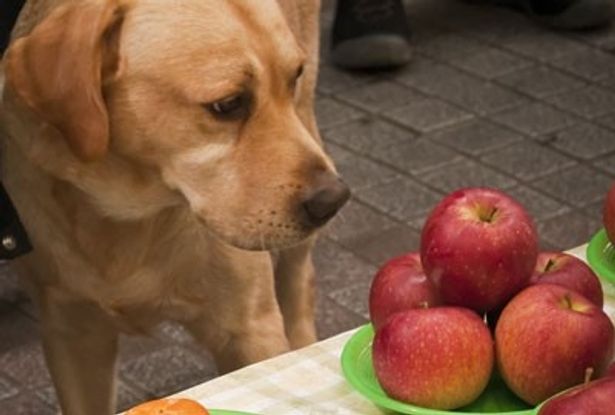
[564, 14]
[8, 15]
[370, 34]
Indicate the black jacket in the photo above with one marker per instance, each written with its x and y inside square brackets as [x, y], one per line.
[13, 239]
[9, 10]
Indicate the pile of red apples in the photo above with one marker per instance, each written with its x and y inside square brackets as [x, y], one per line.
[480, 300]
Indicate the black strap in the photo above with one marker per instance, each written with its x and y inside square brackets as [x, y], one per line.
[9, 10]
[13, 238]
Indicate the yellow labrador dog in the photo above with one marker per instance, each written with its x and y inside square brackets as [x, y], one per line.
[164, 158]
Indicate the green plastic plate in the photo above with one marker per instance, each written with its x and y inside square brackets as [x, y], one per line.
[601, 256]
[359, 372]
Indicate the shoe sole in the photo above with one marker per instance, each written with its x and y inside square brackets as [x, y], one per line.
[372, 51]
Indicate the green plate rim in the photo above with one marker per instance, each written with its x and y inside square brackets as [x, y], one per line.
[359, 338]
[595, 257]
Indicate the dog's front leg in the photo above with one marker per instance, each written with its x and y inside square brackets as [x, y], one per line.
[294, 279]
[80, 348]
[240, 322]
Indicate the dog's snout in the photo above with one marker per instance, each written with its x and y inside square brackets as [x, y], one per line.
[326, 201]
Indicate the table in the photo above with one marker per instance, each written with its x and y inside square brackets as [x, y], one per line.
[308, 381]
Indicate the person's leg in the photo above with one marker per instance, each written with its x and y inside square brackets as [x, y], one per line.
[8, 15]
[564, 14]
[370, 34]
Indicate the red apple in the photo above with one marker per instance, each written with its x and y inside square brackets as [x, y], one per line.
[546, 339]
[438, 357]
[610, 372]
[568, 271]
[479, 246]
[608, 214]
[593, 398]
[400, 284]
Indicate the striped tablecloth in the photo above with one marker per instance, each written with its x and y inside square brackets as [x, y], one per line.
[306, 381]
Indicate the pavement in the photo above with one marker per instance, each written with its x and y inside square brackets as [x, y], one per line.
[489, 99]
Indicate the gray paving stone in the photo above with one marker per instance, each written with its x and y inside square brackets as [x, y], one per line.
[357, 221]
[590, 64]
[466, 91]
[26, 403]
[169, 331]
[431, 77]
[476, 136]
[568, 230]
[134, 346]
[368, 135]
[380, 96]
[594, 211]
[330, 112]
[338, 267]
[26, 365]
[578, 186]
[417, 156]
[10, 288]
[359, 172]
[590, 102]
[543, 46]
[127, 396]
[607, 164]
[354, 298]
[484, 97]
[448, 46]
[490, 63]
[607, 121]
[168, 370]
[332, 318]
[387, 244]
[7, 388]
[466, 173]
[17, 329]
[527, 160]
[538, 205]
[401, 198]
[332, 79]
[428, 114]
[535, 119]
[585, 140]
[540, 81]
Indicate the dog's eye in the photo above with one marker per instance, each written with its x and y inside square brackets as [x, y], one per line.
[232, 107]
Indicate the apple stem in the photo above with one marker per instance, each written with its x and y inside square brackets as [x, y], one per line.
[549, 265]
[488, 217]
[588, 375]
[567, 301]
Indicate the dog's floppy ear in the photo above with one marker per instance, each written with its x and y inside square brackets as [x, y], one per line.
[59, 70]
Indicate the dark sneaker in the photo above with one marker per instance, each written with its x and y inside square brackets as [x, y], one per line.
[565, 14]
[370, 34]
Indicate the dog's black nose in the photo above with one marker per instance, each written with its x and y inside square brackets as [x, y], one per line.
[326, 201]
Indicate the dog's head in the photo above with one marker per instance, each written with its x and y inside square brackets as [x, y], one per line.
[207, 95]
